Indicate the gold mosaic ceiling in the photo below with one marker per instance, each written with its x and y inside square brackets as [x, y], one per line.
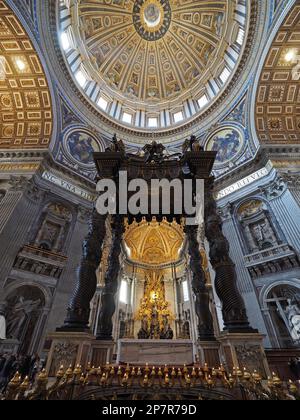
[152, 63]
[278, 95]
[154, 243]
[25, 103]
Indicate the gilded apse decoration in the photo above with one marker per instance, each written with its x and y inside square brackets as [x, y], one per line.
[154, 243]
[25, 102]
[154, 312]
[148, 63]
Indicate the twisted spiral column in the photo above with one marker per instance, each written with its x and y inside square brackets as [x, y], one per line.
[108, 304]
[233, 306]
[79, 308]
[205, 320]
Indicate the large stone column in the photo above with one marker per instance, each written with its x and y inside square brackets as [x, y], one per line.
[108, 304]
[11, 199]
[233, 306]
[20, 211]
[205, 320]
[79, 309]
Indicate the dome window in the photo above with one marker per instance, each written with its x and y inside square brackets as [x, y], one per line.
[102, 103]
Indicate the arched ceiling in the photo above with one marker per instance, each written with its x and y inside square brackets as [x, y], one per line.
[278, 95]
[152, 64]
[26, 118]
[154, 243]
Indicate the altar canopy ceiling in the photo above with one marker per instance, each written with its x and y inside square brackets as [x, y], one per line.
[152, 64]
[25, 102]
[154, 243]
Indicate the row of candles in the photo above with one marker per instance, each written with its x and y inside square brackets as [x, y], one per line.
[167, 376]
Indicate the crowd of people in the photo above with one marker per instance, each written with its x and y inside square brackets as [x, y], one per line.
[27, 366]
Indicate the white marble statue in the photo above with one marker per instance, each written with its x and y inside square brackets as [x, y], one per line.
[2, 328]
[18, 316]
[293, 315]
[2, 324]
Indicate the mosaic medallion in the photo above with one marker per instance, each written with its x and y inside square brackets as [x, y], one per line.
[228, 142]
[81, 146]
[152, 18]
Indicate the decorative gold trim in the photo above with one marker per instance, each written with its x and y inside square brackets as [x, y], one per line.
[12, 167]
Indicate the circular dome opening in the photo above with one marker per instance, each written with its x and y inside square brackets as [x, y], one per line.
[152, 15]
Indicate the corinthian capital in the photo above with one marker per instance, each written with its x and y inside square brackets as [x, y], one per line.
[292, 179]
[17, 183]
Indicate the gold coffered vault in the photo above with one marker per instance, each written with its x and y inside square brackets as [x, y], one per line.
[26, 110]
[278, 93]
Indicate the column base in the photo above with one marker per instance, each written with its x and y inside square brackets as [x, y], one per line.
[209, 352]
[9, 346]
[104, 338]
[240, 329]
[244, 350]
[73, 329]
[102, 352]
[69, 349]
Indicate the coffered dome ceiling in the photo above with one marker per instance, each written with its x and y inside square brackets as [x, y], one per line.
[152, 64]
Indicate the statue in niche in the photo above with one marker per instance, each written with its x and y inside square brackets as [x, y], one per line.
[259, 232]
[292, 312]
[263, 235]
[54, 226]
[19, 314]
[257, 228]
[49, 236]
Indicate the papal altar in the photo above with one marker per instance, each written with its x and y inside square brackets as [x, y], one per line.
[156, 352]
